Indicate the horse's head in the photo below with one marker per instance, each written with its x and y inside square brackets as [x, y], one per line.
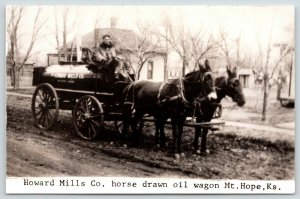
[234, 87]
[202, 82]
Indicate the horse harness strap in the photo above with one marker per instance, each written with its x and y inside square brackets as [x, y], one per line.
[131, 86]
[181, 87]
[159, 93]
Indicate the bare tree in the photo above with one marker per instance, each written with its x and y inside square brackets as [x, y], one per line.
[202, 45]
[76, 31]
[166, 35]
[179, 40]
[266, 69]
[230, 48]
[97, 26]
[68, 34]
[16, 60]
[65, 19]
[57, 35]
[224, 47]
[146, 46]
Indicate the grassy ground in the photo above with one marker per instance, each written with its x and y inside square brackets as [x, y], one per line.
[251, 112]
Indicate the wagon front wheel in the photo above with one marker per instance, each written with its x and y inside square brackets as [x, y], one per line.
[88, 117]
[45, 106]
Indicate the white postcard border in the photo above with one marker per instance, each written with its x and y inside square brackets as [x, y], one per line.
[124, 185]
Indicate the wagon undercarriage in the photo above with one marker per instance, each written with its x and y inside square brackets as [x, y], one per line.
[89, 112]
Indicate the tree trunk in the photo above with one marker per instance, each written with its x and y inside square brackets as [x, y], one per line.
[12, 75]
[265, 99]
[17, 79]
[65, 37]
[184, 65]
[139, 69]
[57, 36]
[279, 87]
[165, 57]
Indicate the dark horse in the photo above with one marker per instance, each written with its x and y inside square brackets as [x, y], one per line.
[229, 86]
[174, 99]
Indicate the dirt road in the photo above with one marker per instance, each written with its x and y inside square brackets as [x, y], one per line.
[34, 152]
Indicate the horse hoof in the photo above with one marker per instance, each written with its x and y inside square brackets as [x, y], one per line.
[177, 156]
[182, 155]
[125, 146]
[207, 151]
[198, 152]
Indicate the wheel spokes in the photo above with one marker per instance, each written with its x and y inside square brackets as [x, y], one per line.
[39, 94]
[88, 117]
[82, 106]
[44, 106]
[96, 123]
[93, 128]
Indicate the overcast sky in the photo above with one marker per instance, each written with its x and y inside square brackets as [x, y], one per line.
[253, 23]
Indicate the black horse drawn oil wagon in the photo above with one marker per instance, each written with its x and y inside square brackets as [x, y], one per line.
[91, 97]
[77, 88]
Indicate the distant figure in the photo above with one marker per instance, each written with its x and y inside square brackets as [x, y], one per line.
[259, 77]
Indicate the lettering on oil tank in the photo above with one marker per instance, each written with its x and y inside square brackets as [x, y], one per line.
[75, 75]
[58, 75]
[71, 81]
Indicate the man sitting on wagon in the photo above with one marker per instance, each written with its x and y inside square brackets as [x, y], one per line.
[105, 55]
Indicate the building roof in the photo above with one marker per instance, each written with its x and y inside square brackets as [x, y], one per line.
[123, 39]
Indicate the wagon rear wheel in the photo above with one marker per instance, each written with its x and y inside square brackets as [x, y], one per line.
[88, 117]
[45, 106]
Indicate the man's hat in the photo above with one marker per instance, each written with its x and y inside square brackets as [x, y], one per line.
[106, 35]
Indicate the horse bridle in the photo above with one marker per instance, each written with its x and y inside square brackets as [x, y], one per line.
[181, 94]
[230, 87]
[182, 90]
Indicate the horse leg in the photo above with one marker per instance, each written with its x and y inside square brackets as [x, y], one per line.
[156, 131]
[162, 133]
[136, 130]
[204, 151]
[125, 131]
[160, 138]
[180, 131]
[177, 135]
[140, 126]
[175, 138]
[198, 130]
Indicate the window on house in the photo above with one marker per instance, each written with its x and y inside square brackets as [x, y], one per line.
[150, 70]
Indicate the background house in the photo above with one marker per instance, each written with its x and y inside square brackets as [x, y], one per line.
[126, 42]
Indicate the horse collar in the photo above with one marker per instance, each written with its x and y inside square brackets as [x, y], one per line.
[181, 87]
